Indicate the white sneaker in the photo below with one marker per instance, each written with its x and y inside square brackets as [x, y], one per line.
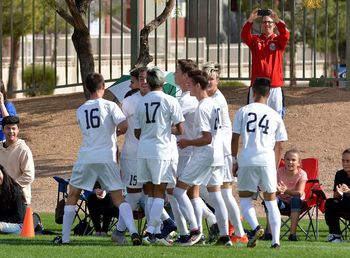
[163, 241]
[334, 238]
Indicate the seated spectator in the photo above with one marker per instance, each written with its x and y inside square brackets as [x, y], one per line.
[291, 180]
[6, 108]
[340, 203]
[101, 209]
[16, 157]
[12, 205]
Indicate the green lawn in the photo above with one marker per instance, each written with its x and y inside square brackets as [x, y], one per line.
[41, 246]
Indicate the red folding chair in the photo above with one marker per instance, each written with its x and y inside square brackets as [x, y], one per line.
[313, 202]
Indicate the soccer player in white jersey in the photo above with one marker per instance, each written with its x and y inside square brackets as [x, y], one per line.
[154, 117]
[98, 119]
[128, 161]
[206, 162]
[226, 188]
[189, 106]
[263, 132]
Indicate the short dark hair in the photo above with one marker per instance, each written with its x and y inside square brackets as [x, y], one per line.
[346, 151]
[94, 82]
[186, 65]
[261, 86]
[10, 120]
[199, 76]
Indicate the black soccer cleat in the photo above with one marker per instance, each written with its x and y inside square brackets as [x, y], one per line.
[58, 241]
[136, 239]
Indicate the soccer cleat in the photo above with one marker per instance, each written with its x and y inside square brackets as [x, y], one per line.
[182, 239]
[334, 238]
[213, 233]
[258, 233]
[231, 229]
[239, 240]
[119, 238]
[169, 226]
[162, 241]
[276, 246]
[195, 237]
[136, 239]
[293, 238]
[149, 239]
[58, 241]
[224, 241]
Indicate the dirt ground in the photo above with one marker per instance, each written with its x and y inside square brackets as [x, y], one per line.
[317, 121]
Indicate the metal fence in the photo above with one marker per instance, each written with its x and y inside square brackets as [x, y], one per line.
[33, 35]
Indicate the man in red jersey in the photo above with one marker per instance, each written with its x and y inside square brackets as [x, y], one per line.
[267, 54]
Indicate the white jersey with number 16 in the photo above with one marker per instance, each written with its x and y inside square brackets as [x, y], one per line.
[98, 120]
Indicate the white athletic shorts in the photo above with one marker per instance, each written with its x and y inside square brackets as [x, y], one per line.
[199, 172]
[154, 170]
[275, 99]
[228, 177]
[183, 161]
[249, 178]
[84, 176]
[128, 169]
[172, 171]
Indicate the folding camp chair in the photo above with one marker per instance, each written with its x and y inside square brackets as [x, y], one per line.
[81, 213]
[345, 224]
[313, 202]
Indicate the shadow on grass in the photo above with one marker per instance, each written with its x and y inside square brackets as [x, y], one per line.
[47, 241]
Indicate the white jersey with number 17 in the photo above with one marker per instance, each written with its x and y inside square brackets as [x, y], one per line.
[155, 114]
[98, 120]
[260, 128]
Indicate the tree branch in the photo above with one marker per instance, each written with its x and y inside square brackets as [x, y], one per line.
[79, 22]
[144, 57]
[61, 12]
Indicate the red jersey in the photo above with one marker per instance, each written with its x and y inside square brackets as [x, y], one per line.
[267, 53]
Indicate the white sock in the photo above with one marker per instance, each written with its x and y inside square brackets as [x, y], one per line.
[155, 214]
[133, 199]
[248, 212]
[186, 207]
[204, 194]
[274, 217]
[198, 211]
[148, 206]
[126, 213]
[68, 218]
[121, 224]
[164, 215]
[208, 214]
[220, 212]
[234, 214]
[179, 218]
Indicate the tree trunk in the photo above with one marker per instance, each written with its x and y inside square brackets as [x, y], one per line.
[12, 80]
[82, 44]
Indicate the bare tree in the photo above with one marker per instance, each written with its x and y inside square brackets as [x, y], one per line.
[77, 10]
[144, 57]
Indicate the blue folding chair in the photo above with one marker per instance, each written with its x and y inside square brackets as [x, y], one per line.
[82, 212]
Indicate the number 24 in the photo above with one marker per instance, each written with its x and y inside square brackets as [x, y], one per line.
[263, 123]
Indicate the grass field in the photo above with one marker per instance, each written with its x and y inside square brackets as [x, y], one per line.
[41, 246]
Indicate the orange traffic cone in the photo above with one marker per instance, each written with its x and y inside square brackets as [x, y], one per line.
[28, 224]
